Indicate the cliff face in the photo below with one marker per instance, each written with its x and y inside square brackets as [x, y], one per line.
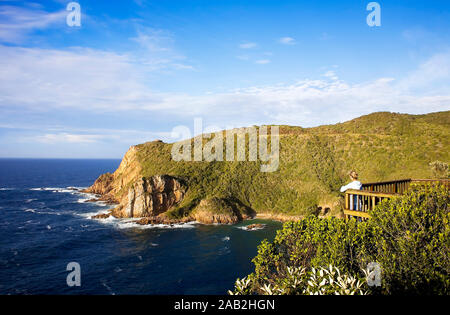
[112, 187]
[128, 172]
[313, 164]
[149, 197]
[103, 185]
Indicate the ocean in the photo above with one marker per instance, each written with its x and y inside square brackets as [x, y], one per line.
[45, 225]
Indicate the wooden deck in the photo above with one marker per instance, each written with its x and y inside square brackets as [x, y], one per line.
[359, 202]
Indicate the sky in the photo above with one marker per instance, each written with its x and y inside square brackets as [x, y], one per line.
[135, 70]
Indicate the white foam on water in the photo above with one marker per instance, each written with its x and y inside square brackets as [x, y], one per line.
[131, 223]
[226, 239]
[108, 288]
[52, 189]
[72, 190]
[89, 215]
[86, 197]
[245, 228]
[7, 189]
[30, 210]
[189, 225]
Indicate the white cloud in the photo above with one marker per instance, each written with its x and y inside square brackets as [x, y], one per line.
[262, 61]
[248, 45]
[96, 81]
[155, 50]
[430, 74]
[56, 135]
[287, 40]
[153, 40]
[331, 74]
[77, 78]
[16, 23]
[67, 138]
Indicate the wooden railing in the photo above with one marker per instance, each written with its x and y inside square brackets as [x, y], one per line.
[359, 202]
[393, 186]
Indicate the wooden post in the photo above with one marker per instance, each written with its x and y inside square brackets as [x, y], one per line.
[346, 207]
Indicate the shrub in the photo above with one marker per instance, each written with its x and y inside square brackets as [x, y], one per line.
[412, 241]
[408, 236]
[311, 242]
[322, 281]
[440, 169]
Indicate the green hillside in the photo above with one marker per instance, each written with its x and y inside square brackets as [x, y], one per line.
[314, 163]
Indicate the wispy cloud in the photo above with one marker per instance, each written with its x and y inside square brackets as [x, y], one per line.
[74, 78]
[262, 61]
[331, 74]
[67, 138]
[433, 74]
[153, 40]
[287, 41]
[248, 45]
[155, 50]
[17, 23]
[89, 136]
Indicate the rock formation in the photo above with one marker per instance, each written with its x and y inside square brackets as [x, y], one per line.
[102, 186]
[218, 210]
[149, 197]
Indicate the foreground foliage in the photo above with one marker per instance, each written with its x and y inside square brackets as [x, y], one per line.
[322, 281]
[411, 240]
[408, 236]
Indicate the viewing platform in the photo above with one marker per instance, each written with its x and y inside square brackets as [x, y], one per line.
[358, 203]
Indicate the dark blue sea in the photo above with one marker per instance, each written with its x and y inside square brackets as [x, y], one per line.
[45, 225]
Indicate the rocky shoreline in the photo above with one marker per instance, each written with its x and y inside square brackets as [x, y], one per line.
[200, 216]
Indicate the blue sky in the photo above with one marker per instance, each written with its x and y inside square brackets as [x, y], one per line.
[134, 70]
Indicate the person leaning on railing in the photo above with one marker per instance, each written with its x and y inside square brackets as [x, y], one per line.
[354, 184]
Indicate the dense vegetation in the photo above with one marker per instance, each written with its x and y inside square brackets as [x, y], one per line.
[314, 163]
[408, 236]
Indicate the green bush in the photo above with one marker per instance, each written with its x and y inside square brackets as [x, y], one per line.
[311, 242]
[412, 241]
[408, 236]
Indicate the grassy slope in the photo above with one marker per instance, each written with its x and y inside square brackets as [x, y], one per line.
[313, 162]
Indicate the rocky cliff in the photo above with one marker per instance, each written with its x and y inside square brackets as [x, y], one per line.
[150, 197]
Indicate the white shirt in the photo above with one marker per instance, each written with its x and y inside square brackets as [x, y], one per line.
[353, 185]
